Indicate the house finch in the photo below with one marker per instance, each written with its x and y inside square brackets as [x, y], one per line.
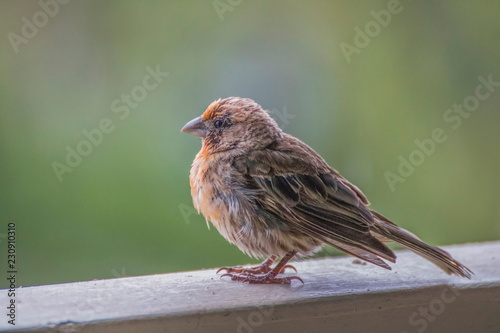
[273, 196]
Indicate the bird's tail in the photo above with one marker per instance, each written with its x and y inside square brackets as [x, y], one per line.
[388, 231]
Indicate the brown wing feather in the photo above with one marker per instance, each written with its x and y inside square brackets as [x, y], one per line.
[313, 197]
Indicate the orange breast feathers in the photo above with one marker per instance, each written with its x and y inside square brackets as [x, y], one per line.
[204, 191]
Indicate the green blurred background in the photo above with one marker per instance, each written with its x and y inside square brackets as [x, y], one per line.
[126, 209]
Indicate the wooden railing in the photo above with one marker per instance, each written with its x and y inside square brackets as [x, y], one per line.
[339, 295]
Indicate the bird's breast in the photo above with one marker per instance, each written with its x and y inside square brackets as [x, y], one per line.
[211, 192]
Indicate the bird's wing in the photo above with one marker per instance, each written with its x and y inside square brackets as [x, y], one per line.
[297, 186]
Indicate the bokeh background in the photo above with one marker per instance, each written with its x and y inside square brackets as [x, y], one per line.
[126, 209]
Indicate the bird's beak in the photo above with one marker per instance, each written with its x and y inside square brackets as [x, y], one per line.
[195, 127]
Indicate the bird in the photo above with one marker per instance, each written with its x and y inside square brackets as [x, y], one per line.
[274, 197]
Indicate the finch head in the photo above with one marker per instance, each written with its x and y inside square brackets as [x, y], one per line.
[234, 123]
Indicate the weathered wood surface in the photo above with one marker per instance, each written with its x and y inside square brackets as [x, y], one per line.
[338, 296]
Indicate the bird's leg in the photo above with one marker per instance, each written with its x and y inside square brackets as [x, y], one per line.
[270, 276]
[263, 268]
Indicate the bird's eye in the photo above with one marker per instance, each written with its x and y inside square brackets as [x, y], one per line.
[218, 123]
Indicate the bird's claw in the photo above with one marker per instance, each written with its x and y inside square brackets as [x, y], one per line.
[261, 269]
[236, 269]
[241, 270]
[289, 266]
[268, 278]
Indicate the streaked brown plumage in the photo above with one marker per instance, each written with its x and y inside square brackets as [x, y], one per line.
[273, 196]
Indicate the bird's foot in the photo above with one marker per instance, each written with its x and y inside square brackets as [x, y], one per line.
[260, 269]
[267, 278]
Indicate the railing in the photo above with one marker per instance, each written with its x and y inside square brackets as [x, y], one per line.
[339, 295]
